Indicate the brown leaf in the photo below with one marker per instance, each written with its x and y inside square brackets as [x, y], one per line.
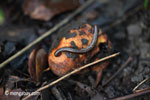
[1, 91]
[31, 63]
[41, 62]
[47, 9]
[37, 63]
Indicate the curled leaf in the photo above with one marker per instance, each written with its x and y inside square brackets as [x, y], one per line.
[41, 62]
[37, 63]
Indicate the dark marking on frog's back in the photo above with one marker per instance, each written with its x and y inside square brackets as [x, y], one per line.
[81, 33]
[90, 30]
[70, 55]
[76, 27]
[83, 26]
[84, 41]
[64, 32]
[73, 45]
[71, 35]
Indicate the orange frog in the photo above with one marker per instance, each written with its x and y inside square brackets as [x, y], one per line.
[76, 48]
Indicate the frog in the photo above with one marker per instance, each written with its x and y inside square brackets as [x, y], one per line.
[73, 49]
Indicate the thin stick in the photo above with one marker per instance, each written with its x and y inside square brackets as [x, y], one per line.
[140, 84]
[71, 73]
[132, 96]
[89, 2]
[116, 73]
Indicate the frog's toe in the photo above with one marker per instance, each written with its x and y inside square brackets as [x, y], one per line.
[99, 69]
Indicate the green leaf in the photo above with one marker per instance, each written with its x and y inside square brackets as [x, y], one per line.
[2, 18]
[146, 3]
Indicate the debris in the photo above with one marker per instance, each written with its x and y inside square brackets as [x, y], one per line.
[120, 35]
[19, 61]
[57, 93]
[2, 18]
[86, 88]
[140, 84]
[119, 70]
[110, 90]
[16, 33]
[135, 96]
[99, 96]
[1, 91]
[37, 63]
[47, 9]
[9, 48]
[134, 29]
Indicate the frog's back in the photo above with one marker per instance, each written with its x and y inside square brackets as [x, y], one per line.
[78, 38]
[65, 32]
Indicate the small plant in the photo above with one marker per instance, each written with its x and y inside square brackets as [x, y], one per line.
[146, 3]
[1, 16]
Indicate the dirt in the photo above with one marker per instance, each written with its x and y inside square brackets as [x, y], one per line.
[130, 37]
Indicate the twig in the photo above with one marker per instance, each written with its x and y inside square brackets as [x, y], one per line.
[116, 73]
[141, 90]
[131, 96]
[71, 73]
[89, 2]
[140, 84]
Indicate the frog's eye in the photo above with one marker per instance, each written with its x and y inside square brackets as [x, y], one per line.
[103, 47]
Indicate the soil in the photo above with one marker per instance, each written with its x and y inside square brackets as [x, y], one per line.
[130, 37]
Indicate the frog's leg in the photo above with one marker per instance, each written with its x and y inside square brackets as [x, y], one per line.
[99, 69]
